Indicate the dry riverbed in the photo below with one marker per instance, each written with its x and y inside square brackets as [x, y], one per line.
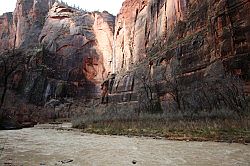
[43, 145]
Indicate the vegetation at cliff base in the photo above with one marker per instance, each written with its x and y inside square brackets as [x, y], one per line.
[217, 125]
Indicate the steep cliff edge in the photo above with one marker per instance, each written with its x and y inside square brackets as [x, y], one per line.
[141, 23]
[6, 31]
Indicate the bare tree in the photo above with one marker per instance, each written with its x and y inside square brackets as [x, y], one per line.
[173, 84]
[148, 99]
[209, 94]
[174, 88]
[230, 91]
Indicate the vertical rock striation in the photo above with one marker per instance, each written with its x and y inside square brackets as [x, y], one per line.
[66, 52]
[28, 19]
[188, 39]
[6, 31]
[142, 22]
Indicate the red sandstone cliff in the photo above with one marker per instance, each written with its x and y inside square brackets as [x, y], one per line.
[6, 31]
[222, 27]
[66, 52]
[185, 39]
[140, 23]
[82, 42]
[26, 23]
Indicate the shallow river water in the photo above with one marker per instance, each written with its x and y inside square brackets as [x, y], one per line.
[46, 146]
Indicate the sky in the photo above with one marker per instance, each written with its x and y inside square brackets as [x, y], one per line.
[112, 6]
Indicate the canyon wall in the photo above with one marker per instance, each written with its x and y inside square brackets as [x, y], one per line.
[82, 46]
[79, 43]
[65, 52]
[151, 43]
[25, 23]
[141, 23]
[6, 31]
[191, 41]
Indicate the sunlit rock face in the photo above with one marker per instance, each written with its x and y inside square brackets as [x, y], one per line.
[82, 42]
[140, 23]
[149, 40]
[24, 25]
[124, 35]
[6, 31]
[28, 18]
